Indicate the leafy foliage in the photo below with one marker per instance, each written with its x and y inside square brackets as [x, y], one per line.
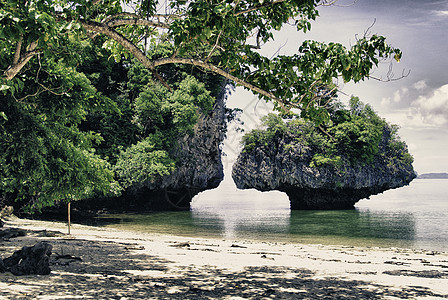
[142, 162]
[62, 99]
[219, 36]
[352, 136]
[44, 156]
[163, 117]
[68, 135]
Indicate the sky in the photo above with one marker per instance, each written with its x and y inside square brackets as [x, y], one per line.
[417, 103]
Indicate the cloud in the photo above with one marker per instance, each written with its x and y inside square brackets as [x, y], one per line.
[418, 105]
[442, 13]
[402, 97]
[420, 85]
[432, 108]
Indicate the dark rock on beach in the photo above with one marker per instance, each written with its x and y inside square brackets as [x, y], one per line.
[272, 167]
[29, 260]
[5, 212]
[9, 233]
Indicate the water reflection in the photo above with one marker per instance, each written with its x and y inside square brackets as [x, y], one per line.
[353, 224]
[252, 214]
[240, 212]
[395, 218]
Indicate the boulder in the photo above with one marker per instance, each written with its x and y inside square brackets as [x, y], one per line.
[283, 164]
[30, 260]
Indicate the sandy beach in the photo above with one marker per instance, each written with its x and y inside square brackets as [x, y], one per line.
[103, 263]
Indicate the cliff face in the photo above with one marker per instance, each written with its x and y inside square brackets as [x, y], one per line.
[284, 164]
[198, 164]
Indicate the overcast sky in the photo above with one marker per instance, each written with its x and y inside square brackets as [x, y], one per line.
[418, 103]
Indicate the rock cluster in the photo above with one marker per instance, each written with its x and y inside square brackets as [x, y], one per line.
[284, 165]
[198, 168]
[29, 260]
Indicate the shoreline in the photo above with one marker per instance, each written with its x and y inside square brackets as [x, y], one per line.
[117, 264]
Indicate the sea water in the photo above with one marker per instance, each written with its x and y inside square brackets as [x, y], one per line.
[414, 216]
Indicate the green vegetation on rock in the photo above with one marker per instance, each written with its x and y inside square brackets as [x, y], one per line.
[73, 133]
[352, 135]
[162, 117]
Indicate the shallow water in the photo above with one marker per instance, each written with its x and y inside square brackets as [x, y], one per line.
[415, 216]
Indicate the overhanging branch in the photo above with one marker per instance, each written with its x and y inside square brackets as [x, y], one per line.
[134, 50]
[119, 38]
[216, 70]
[136, 21]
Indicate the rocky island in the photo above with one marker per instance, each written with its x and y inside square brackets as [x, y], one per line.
[198, 168]
[356, 156]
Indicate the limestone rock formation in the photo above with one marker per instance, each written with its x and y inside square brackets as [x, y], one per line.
[284, 164]
[199, 166]
[29, 260]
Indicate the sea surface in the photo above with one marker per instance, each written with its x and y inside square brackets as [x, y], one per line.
[414, 216]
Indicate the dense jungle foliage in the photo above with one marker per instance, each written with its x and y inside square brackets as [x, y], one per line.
[105, 126]
[353, 135]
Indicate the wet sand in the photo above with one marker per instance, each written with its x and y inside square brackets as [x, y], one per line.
[103, 263]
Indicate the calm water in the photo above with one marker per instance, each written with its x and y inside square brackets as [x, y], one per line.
[415, 216]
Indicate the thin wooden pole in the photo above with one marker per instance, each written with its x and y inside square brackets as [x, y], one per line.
[68, 213]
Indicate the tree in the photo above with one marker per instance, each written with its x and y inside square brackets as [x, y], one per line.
[44, 156]
[99, 120]
[222, 37]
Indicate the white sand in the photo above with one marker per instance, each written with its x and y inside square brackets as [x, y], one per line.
[129, 265]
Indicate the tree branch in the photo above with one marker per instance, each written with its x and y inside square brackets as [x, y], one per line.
[119, 38]
[19, 61]
[18, 50]
[127, 44]
[214, 46]
[216, 70]
[134, 50]
[136, 16]
[141, 22]
[136, 21]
